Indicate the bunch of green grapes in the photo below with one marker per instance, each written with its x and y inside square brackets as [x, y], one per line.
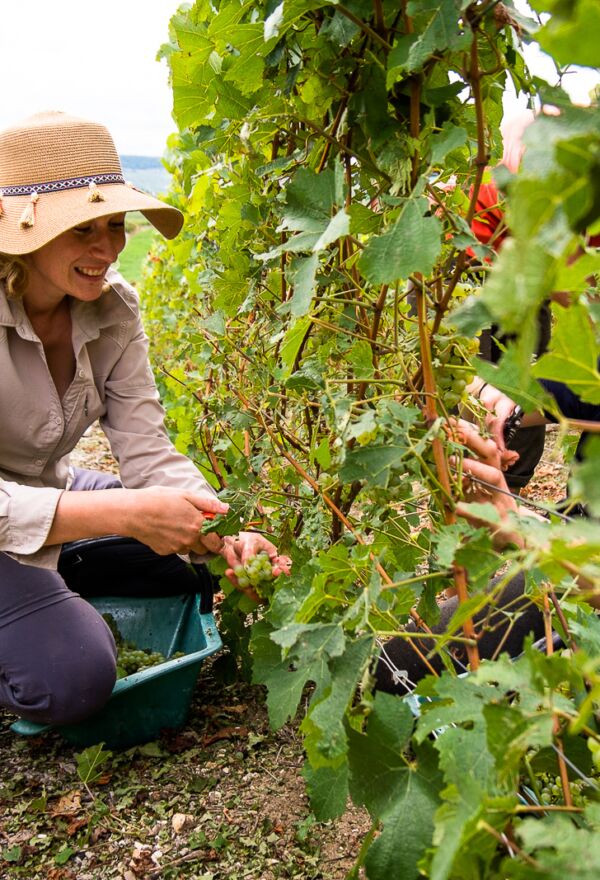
[256, 573]
[132, 659]
[452, 355]
[551, 791]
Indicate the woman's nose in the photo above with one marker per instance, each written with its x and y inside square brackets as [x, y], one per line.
[107, 245]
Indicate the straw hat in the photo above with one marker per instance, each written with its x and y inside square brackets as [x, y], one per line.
[56, 172]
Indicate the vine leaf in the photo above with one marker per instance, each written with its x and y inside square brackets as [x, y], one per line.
[412, 245]
[310, 198]
[327, 789]
[570, 34]
[575, 365]
[438, 30]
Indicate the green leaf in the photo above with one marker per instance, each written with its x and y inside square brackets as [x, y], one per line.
[449, 138]
[373, 464]
[565, 361]
[12, 854]
[407, 828]
[378, 765]
[327, 789]
[560, 848]
[438, 30]
[89, 762]
[518, 284]
[570, 34]
[292, 342]
[338, 226]
[326, 740]
[63, 856]
[285, 684]
[301, 275]
[412, 245]
[310, 199]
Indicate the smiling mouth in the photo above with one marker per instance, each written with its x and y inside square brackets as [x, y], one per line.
[91, 273]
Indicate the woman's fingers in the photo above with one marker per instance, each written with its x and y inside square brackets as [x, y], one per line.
[206, 503]
[483, 447]
[240, 549]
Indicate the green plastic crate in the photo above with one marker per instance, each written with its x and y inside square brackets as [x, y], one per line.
[143, 704]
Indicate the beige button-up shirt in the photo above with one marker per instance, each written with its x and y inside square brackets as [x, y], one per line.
[113, 382]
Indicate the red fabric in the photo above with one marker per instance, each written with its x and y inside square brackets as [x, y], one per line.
[488, 218]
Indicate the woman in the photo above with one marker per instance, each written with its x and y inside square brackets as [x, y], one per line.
[72, 350]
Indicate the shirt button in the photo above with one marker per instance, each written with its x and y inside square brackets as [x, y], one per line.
[81, 374]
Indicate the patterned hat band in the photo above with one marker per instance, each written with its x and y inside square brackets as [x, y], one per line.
[52, 186]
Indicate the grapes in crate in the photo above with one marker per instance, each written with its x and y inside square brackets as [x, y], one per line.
[130, 657]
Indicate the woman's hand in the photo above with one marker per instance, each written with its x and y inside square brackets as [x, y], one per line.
[169, 520]
[239, 549]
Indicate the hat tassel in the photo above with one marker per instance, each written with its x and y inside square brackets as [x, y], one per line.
[28, 216]
[94, 194]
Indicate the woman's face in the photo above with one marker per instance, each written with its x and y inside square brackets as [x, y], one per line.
[76, 262]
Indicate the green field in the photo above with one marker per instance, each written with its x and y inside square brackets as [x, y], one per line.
[131, 261]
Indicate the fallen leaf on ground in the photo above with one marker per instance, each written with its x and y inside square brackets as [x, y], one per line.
[225, 733]
[68, 805]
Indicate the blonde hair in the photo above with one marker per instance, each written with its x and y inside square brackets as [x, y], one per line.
[13, 274]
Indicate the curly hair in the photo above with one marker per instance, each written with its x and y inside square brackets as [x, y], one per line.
[13, 274]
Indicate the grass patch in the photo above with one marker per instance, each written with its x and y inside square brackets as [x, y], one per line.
[131, 261]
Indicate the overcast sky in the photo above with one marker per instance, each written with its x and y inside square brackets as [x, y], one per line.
[91, 59]
[97, 60]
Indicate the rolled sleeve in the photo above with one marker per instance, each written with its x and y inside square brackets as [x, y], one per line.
[26, 515]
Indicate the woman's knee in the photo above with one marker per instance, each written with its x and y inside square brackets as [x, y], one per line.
[69, 675]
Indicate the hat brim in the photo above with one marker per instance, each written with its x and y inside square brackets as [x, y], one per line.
[59, 211]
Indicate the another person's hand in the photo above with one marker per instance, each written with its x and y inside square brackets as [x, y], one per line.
[240, 549]
[486, 468]
[499, 407]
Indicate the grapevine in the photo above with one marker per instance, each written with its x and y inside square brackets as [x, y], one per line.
[295, 369]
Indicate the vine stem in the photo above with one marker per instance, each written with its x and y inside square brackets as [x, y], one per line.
[430, 412]
[481, 160]
[501, 838]
[562, 764]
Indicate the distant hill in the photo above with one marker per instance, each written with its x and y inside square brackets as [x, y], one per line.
[147, 172]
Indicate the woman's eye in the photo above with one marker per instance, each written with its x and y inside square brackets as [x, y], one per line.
[81, 230]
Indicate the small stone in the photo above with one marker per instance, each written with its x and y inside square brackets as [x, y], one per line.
[181, 821]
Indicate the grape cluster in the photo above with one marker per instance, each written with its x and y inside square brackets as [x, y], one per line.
[256, 573]
[132, 659]
[452, 364]
[551, 790]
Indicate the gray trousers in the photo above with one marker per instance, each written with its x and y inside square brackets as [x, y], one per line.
[57, 655]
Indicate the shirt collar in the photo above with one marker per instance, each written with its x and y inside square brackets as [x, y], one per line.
[117, 305]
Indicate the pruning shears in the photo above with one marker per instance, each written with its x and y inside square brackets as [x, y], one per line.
[512, 424]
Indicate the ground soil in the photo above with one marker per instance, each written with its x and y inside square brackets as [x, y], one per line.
[221, 798]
